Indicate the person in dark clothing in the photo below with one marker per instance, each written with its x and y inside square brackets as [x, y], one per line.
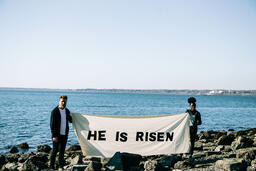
[60, 116]
[195, 120]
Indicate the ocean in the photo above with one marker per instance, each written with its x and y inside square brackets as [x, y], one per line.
[25, 114]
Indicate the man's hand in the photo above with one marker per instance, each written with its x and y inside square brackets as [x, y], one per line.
[55, 139]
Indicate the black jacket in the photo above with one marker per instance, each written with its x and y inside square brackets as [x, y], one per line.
[55, 121]
[197, 114]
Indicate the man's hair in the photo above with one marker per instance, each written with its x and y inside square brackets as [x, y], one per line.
[64, 97]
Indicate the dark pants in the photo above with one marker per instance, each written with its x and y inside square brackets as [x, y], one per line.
[58, 147]
[193, 134]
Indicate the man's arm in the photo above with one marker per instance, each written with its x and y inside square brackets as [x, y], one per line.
[199, 121]
[53, 124]
[69, 117]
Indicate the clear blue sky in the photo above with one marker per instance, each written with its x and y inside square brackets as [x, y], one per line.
[128, 44]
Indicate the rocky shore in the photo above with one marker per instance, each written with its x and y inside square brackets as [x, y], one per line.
[214, 150]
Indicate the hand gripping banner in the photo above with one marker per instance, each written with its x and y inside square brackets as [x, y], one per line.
[101, 135]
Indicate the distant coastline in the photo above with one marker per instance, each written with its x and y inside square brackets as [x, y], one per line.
[220, 92]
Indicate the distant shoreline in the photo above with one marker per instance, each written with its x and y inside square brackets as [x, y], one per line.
[220, 92]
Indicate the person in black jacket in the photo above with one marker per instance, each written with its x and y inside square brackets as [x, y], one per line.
[60, 116]
[195, 120]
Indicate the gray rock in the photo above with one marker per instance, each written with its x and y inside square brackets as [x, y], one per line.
[248, 155]
[23, 158]
[74, 148]
[230, 165]
[150, 165]
[14, 150]
[253, 162]
[227, 148]
[34, 163]
[167, 162]
[94, 166]
[11, 166]
[226, 139]
[251, 168]
[219, 148]
[2, 160]
[43, 148]
[24, 146]
[247, 132]
[241, 142]
[76, 160]
[183, 164]
[11, 158]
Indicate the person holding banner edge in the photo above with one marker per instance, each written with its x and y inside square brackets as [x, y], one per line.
[195, 120]
[60, 116]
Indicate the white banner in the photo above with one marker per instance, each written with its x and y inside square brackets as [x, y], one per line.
[145, 135]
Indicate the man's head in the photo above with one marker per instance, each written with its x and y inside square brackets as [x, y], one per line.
[192, 103]
[63, 101]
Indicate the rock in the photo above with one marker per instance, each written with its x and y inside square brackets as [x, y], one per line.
[23, 158]
[166, 163]
[226, 139]
[248, 155]
[251, 168]
[123, 161]
[230, 165]
[183, 164]
[231, 130]
[11, 158]
[76, 160]
[227, 148]
[247, 132]
[241, 142]
[253, 163]
[11, 166]
[211, 134]
[43, 148]
[150, 165]
[219, 148]
[24, 146]
[34, 163]
[74, 148]
[94, 166]
[14, 150]
[2, 160]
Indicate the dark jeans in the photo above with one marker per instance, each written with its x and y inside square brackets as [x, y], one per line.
[58, 147]
[193, 134]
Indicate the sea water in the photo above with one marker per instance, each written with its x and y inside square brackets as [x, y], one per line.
[25, 114]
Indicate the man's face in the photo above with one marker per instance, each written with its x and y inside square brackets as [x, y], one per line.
[62, 103]
[192, 107]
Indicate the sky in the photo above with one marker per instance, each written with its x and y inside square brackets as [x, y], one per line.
[129, 44]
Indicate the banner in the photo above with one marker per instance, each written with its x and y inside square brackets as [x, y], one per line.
[101, 135]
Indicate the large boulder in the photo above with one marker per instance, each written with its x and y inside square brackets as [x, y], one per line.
[35, 163]
[167, 162]
[241, 142]
[24, 146]
[76, 160]
[23, 158]
[211, 134]
[247, 132]
[14, 149]
[247, 154]
[2, 160]
[185, 164]
[43, 148]
[123, 161]
[74, 148]
[10, 158]
[230, 165]
[10, 166]
[226, 139]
